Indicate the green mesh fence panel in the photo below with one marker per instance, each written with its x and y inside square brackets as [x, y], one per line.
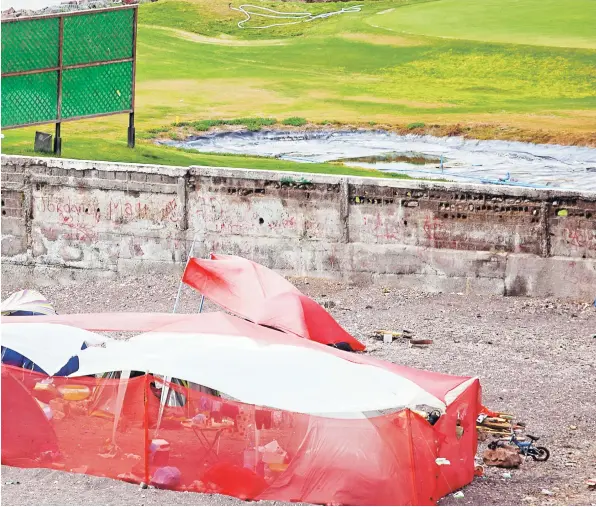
[28, 45]
[97, 37]
[99, 89]
[29, 99]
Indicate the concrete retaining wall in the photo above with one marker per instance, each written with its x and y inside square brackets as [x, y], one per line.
[114, 218]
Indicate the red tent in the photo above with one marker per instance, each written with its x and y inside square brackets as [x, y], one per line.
[260, 295]
[27, 436]
[383, 457]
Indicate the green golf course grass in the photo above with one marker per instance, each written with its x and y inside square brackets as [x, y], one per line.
[528, 65]
[544, 23]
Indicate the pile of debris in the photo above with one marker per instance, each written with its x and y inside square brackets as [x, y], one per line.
[496, 424]
[388, 337]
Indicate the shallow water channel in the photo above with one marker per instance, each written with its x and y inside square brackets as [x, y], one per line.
[449, 158]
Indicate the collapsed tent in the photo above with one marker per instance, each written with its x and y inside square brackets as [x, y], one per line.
[298, 421]
[26, 302]
[52, 350]
[260, 295]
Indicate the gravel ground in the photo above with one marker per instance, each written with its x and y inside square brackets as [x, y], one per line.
[536, 358]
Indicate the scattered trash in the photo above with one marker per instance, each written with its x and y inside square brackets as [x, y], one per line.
[506, 475]
[420, 343]
[388, 336]
[478, 471]
[547, 492]
[442, 461]
[458, 494]
[12, 482]
[591, 483]
[572, 427]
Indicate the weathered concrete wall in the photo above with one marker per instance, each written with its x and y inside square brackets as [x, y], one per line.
[436, 236]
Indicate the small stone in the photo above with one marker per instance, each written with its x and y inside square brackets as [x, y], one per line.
[572, 427]
[143, 485]
[547, 492]
[368, 307]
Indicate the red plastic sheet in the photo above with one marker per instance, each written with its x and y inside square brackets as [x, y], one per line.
[260, 295]
[207, 444]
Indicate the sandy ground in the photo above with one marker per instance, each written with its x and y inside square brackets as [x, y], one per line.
[536, 358]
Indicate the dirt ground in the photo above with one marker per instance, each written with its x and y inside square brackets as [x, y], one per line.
[536, 358]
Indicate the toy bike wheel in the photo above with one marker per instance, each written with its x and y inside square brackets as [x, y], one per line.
[542, 454]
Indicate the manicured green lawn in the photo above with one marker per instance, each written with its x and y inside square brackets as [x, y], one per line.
[565, 23]
[194, 63]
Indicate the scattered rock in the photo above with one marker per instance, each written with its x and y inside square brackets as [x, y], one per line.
[503, 457]
[547, 492]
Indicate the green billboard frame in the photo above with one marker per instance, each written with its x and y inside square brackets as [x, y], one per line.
[69, 66]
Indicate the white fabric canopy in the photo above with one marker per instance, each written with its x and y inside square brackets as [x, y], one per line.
[50, 346]
[283, 376]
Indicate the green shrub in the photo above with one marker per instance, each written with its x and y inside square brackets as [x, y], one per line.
[415, 125]
[295, 121]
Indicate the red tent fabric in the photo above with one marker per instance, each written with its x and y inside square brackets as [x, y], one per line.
[298, 314]
[257, 293]
[27, 435]
[387, 459]
[384, 460]
[235, 283]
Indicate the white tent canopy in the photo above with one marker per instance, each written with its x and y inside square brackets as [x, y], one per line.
[50, 346]
[283, 376]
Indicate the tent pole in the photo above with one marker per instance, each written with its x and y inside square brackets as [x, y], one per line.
[192, 249]
[122, 385]
[146, 427]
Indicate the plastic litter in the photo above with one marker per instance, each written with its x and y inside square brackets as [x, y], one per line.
[166, 477]
[458, 494]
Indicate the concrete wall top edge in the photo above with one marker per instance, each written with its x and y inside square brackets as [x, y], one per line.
[496, 190]
[255, 174]
[84, 165]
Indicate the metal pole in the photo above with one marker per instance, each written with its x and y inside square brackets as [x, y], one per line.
[131, 116]
[57, 138]
[192, 249]
[131, 130]
[202, 301]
